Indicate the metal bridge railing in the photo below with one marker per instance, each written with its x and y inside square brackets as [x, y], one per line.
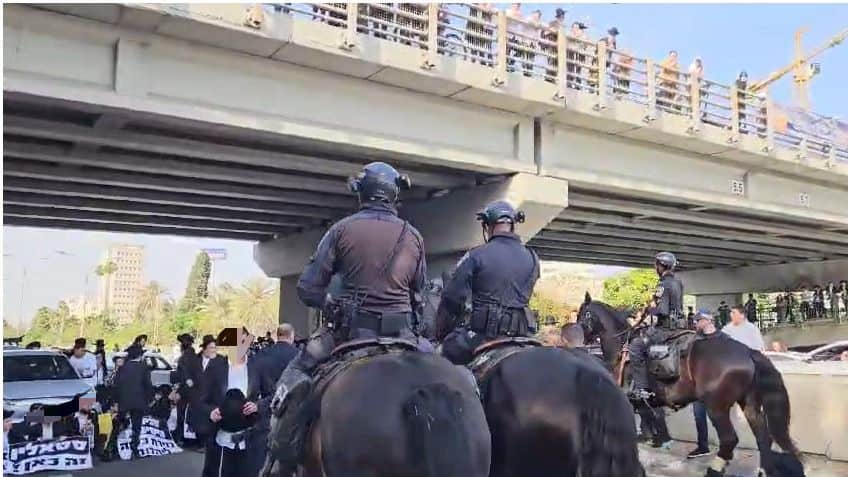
[468, 33]
[510, 46]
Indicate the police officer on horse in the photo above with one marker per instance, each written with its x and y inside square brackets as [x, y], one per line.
[498, 277]
[380, 259]
[667, 307]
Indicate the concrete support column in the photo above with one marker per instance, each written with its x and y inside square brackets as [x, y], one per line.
[292, 311]
[448, 225]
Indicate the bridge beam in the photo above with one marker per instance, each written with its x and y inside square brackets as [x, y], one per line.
[728, 284]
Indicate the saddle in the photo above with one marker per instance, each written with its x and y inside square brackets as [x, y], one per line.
[347, 354]
[664, 358]
[488, 355]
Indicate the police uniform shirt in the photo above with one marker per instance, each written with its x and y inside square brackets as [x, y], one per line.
[669, 299]
[358, 248]
[497, 273]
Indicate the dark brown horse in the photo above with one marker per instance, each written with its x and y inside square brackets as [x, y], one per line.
[411, 414]
[554, 412]
[719, 372]
[557, 412]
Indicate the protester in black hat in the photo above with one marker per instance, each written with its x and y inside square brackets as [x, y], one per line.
[140, 341]
[187, 383]
[237, 407]
[134, 390]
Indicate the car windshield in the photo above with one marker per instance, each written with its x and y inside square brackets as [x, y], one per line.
[36, 367]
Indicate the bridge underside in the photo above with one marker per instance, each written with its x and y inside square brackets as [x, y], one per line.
[75, 165]
[616, 229]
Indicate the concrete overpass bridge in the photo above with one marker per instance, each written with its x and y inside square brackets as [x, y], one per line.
[182, 119]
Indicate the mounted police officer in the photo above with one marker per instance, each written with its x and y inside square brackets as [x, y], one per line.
[667, 307]
[498, 277]
[380, 260]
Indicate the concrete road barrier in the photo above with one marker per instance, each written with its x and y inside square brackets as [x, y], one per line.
[818, 393]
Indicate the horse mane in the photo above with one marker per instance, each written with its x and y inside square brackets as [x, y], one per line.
[619, 315]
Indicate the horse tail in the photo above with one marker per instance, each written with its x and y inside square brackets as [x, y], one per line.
[438, 442]
[771, 392]
[608, 431]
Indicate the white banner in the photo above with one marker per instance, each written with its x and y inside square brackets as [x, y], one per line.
[152, 442]
[73, 453]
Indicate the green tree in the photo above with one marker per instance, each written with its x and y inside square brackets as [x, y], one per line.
[105, 270]
[11, 331]
[152, 306]
[63, 316]
[630, 289]
[216, 311]
[197, 289]
[550, 311]
[42, 324]
[255, 305]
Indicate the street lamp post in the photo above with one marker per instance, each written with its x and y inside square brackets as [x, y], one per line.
[24, 267]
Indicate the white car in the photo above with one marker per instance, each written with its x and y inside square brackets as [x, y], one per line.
[160, 368]
[41, 377]
[828, 352]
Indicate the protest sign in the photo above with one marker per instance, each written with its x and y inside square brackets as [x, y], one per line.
[72, 453]
[153, 441]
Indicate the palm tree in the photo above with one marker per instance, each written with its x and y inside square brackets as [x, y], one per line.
[106, 269]
[151, 306]
[216, 310]
[256, 304]
[63, 314]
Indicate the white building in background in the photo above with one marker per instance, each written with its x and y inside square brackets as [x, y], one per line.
[82, 306]
[120, 291]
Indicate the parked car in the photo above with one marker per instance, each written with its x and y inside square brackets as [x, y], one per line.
[160, 368]
[809, 354]
[42, 377]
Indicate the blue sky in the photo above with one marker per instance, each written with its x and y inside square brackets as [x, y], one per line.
[729, 38]
[757, 38]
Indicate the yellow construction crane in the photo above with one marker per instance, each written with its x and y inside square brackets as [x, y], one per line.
[803, 71]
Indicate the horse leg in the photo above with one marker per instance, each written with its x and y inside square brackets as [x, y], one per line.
[754, 415]
[727, 439]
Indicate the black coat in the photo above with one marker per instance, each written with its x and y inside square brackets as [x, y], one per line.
[275, 359]
[133, 387]
[189, 369]
[214, 384]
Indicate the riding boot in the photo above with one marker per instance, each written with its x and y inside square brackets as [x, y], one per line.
[639, 367]
[285, 440]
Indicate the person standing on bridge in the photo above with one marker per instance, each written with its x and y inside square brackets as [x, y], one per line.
[380, 258]
[498, 277]
[667, 306]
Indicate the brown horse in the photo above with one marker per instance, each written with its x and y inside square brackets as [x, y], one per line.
[412, 414]
[719, 372]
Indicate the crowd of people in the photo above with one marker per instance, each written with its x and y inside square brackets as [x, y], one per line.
[469, 31]
[217, 403]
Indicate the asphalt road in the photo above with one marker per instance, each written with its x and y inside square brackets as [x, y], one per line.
[658, 463]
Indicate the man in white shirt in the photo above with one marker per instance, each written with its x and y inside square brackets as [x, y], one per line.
[742, 330]
[84, 362]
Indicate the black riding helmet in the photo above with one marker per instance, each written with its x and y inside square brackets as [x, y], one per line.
[666, 259]
[379, 181]
[500, 211]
